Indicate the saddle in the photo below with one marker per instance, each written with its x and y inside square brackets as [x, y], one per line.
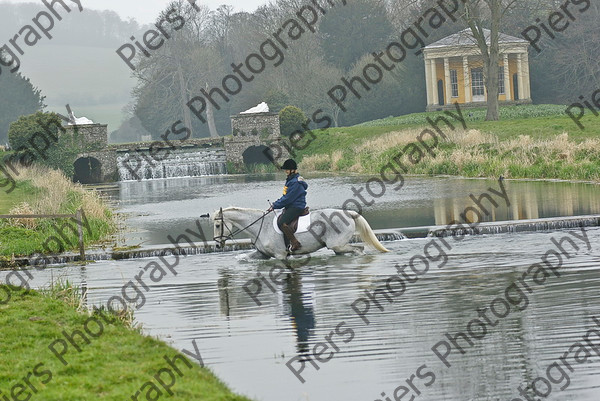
[294, 224]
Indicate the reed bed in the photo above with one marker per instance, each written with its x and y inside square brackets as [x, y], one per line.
[469, 153]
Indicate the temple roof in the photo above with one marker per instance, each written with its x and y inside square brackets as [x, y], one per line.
[465, 38]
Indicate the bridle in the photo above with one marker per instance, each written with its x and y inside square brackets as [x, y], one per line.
[222, 238]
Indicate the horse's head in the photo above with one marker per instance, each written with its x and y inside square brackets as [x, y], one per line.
[221, 228]
[227, 222]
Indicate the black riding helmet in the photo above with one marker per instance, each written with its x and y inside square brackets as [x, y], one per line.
[289, 164]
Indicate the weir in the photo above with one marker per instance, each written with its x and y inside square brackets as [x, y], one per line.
[386, 235]
[501, 227]
[176, 163]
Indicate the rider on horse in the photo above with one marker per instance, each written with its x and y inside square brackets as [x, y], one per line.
[293, 200]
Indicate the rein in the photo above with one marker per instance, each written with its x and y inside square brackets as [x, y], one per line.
[222, 238]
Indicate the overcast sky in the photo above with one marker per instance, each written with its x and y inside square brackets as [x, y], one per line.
[146, 11]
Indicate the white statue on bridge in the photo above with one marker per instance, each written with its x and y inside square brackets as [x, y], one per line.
[261, 108]
[77, 121]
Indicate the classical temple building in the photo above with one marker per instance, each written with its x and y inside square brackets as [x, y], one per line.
[454, 71]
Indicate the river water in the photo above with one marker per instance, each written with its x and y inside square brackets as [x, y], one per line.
[156, 209]
[248, 345]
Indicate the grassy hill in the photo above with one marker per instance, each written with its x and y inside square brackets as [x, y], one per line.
[536, 141]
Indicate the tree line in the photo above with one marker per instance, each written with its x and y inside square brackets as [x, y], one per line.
[201, 53]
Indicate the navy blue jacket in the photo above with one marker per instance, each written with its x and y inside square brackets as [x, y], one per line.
[294, 193]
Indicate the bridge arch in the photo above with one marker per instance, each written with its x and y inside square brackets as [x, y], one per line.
[258, 154]
[88, 170]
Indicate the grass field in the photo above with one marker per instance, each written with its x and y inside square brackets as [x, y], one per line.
[23, 192]
[537, 121]
[116, 363]
[535, 141]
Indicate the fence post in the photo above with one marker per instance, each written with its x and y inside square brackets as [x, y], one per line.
[80, 229]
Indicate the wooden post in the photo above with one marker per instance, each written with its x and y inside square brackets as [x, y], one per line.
[80, 230]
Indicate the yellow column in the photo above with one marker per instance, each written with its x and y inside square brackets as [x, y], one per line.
[507, 78]
[428, 81]
[526, 81]
[434, 80]
[447, 86]
[467, 79]
[522, 94]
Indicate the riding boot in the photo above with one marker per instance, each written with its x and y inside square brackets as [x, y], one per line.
[294, 244]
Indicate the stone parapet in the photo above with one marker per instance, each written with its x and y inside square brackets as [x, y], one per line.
[263, 125]
[94, 135]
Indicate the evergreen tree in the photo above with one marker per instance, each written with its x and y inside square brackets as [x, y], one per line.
[18, 97]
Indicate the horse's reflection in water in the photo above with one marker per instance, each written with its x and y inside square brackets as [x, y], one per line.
[300, 309]
[297, 303]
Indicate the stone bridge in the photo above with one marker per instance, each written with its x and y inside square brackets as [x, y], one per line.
[256, 138]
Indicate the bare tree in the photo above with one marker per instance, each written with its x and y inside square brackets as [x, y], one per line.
[476, 15]
[575, 56]
[181, 67]
[220, 29]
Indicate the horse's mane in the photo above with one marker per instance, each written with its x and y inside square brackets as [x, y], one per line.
[235, 209]
[240, 209]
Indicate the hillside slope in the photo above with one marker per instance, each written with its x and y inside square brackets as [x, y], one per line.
[530, 142]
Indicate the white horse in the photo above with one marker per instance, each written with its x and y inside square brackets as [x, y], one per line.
[329, 228]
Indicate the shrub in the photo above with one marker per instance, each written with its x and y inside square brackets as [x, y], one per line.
[28, 131]
[291, 119]
[40, 138]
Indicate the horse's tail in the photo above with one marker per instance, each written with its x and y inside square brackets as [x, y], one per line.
[366, 232]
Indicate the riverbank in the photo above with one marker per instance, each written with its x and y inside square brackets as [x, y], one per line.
[43, 191]
[535, 141]
[117, 363]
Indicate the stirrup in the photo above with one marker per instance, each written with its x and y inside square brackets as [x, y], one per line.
[291, 250]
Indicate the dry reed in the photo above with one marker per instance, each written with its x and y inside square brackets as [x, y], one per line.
[55, 190]
[470, 148]
[22, 208]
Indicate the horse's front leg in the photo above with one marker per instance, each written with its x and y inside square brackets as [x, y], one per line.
[272, 248]
[280, 254]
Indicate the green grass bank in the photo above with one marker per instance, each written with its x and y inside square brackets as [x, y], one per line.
[530, 141]
[116, 364]
[44, 191]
